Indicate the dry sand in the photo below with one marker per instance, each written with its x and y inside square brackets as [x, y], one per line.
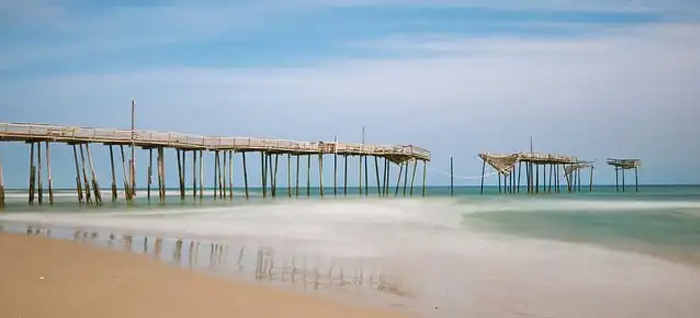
[47, 278]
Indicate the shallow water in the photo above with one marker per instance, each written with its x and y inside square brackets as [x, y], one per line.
[602, 254]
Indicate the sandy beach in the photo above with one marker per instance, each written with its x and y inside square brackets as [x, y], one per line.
[50, 278]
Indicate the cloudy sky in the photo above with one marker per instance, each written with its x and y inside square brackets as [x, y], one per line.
[595, 79]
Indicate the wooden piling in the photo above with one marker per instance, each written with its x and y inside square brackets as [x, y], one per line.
[483, 175]
[245, 176]
[359, 184]
[578, 178]
[88, 195]
[230, 175]
[345, 176]
[413, 178]
[308, 175]
[425, 168]
[622, 170]
[78, 186]
[405, 178]
[537, 178]
[95, 184]
[296, 180]
[2, 187]
[388, 177]
[520, 168]
[289, 175]
[194, 175]
[636, 180]
[335, 174]
[114, 177]
[617, 183]
[263, 166]
[452, 178]
[161, 174]
[38, 174]
[274, 176]
[179, 174]
[376, 170]
[201, 176]
[216, 171]
[222, 171]
[499, 182]
[590, 182]
[398, 180]
[48, 172]
[320, 173]
[127, 194]
[385, 182]
[366, 177]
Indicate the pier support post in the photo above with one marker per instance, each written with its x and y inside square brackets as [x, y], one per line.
[48, 173]
[88, 195]
[78, 185]
[385, 178]
[590, 182]
[623, 179]
[296, 180]
[617, 178]
[413, 178]
[230, 175]
[359, 184]
[32, 173]
[452, 178]
[345, 176]
[636, 180]
[425, 168]
[161, 174]
[274, 175]
[95, 184]
[179, 174]
[263, 167]
[38, 174]
[483, 175]
[289, 175]
[335, 172]
[499, 182]
[194, 175]
[127, 195]
[320, 173]
[201, 175]
[376, 170]
[398, 180]
[388, 177]
[221, 171]
[520, 168]
[245, 175]
[2, 187]
[308, 175]
[405, 177]
[114, 174]
[366, 177]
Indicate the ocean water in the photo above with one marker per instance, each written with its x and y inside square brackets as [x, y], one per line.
[599, 254]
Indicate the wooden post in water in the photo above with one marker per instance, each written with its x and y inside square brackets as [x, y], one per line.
[413, 178]
[366, 177]
[263, 167]
[388, 177]
[425, 168]
[245, 175]
[551, 173]
[405, 177]
[230, 175]
[194, 175]
[179, 174]
[578, 178]
[499, 182]
[274, 176]
[398, 180]
[216, 170]
[385, 181]
[636, 180]
[335, 172]
[222, 175]
[201, 176]
[452, 178]
[296, 180]
[2, 188]
[483, 175]
[520, 169]
[617, 183]
[126, 182]
[308, 175]
[320, 172]
[359, 184]
[622, 170]
[38, 174]
[88, 195]
[78, 185]
[376, 170]
[590, 183]
[289, 175]
[31, 172]
[95, 184]
[48, 172]
[114, 174]
[537, 178]
[345, 176]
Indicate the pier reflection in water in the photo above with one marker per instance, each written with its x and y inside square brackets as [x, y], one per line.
[261, 264]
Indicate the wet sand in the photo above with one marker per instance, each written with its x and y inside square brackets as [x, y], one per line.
[50, 278]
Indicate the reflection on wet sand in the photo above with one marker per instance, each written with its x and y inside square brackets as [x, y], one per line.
[266, 265]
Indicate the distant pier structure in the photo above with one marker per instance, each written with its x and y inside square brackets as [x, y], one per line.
[222, 150]
[620, 166]
[542, 172]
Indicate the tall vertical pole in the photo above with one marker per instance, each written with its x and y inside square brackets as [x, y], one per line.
[636, 180]
[366, 177]
[201, 175]
[590, 183]
[38, 174]
[126, 176]
[385, 181]
[376, 170]
[617, 183]
[623, 179]
[335, 172]
[2, 188]
[483, 175]
[179, 174]
[405, 178]
[263, 166]
[133, 150]
[537, 178]
[388, 177]
[274, 176]
[289, 175]
[578, 178]
[230, 174]
[359, 159]
[194, 175]
[114, 177]
[520, 169]
[549, 185]
[150, 172]
[452, 177]
[222, 174]
[161, 174]
[95, 185]
[499, 182]
[245, 175]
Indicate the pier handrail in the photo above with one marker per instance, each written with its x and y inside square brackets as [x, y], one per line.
[147, 138]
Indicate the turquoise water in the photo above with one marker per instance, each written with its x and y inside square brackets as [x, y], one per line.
[602, 254]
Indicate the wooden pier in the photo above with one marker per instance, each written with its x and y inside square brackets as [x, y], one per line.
[509, 168]
[223, 150]
[620, 166]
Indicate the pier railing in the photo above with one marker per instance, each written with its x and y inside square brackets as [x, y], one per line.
[73, 134]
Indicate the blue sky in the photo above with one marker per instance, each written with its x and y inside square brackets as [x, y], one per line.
[595, 79]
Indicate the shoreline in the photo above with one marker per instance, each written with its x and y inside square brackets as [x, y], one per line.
[43, 277]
